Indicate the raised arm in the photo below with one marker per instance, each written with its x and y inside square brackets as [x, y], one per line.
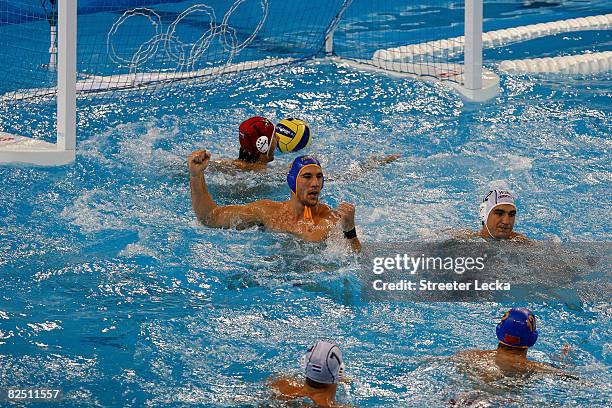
[205, 208]
[273, 145]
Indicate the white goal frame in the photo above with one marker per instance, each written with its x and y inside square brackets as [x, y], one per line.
[20, 149]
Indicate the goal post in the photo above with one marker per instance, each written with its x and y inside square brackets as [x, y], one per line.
[66, 76]
[22, 149]
[472, 55]
[405, 41]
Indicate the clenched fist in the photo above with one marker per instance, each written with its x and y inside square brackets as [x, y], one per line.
[346, 211]
[198, 161]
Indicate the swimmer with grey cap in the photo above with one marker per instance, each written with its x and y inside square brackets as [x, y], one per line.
[323, 368]
[258, 141]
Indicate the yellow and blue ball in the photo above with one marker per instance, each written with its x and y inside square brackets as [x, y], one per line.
[293, 135]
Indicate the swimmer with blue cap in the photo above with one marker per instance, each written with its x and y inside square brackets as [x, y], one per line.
[302, 215]
[516, 333]
[323, 368]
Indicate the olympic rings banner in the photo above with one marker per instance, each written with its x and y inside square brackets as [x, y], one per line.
[149, 44]
[166, 44]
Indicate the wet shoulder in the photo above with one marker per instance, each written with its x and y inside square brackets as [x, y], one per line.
[325, 211]
[266, 204]
[475, 354]
[288, 387]
[465, 234]
[516, 236]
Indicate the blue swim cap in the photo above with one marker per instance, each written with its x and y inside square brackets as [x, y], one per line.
[296, 167]
[517, 328]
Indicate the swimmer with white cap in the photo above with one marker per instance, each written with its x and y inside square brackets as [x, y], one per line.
[323, 368]
[302, 215]
[497, 216]
[516, 333]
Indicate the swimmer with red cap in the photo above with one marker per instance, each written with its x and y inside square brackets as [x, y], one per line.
[258, 142]
[257, 145]
[302, 215]
[516, 333]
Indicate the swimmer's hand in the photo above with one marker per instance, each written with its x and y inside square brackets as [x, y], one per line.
[346, 211]
[565, 355]
[346, 380]
[198, 161]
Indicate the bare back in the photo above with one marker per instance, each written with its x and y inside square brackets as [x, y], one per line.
[289, 388]
[490, 365]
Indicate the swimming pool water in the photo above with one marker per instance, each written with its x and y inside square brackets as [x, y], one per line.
[111, 290]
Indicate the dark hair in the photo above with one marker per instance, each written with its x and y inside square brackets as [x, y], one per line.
[507, 347]
[247, 156]
[315, 384]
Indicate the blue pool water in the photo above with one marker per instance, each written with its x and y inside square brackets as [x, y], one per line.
[111, 291]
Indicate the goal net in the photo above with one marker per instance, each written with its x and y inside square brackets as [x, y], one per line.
[146, 45]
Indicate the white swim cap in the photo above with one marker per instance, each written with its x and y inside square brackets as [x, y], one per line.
[493, 199]
[323, 363]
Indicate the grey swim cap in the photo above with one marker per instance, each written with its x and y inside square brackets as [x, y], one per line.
[323, 363]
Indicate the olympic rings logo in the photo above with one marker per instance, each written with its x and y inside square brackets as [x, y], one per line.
[184, 55]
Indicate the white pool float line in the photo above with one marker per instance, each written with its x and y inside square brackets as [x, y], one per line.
[495, 38]
[588, 63]
[450, 75]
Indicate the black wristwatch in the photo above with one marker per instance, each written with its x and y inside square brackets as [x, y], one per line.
[350, 234]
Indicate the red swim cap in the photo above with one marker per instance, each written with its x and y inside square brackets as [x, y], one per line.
[256, 135]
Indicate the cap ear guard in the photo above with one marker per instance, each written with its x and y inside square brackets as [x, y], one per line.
[483, 212]
[340, 372]
[262, 144]
[483, 207]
